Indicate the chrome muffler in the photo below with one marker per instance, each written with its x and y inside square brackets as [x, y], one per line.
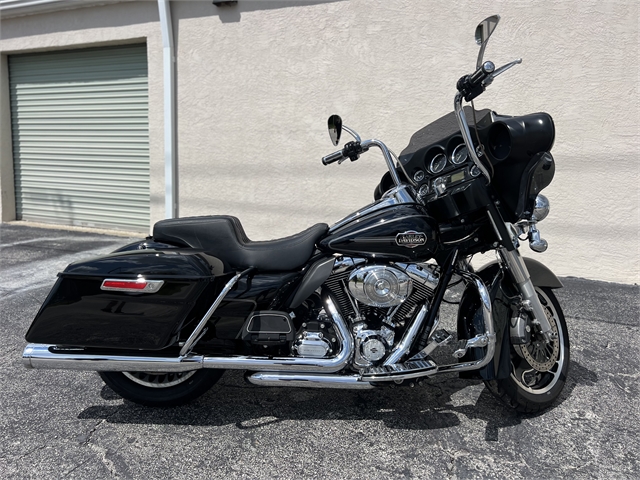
[311, 380]
[53, 357]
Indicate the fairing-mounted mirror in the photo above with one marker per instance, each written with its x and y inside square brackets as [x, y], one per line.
[483, 31]
[335, 128]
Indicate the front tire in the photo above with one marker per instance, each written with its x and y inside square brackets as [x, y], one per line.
[154, 389]
[528, 390]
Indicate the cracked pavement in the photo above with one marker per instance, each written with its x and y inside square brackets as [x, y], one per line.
[65, 424]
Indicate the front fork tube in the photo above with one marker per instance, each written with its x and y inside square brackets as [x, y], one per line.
[518, 269]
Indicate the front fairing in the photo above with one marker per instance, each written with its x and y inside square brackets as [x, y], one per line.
[512, 148]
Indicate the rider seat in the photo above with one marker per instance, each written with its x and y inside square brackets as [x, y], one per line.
[223, 237]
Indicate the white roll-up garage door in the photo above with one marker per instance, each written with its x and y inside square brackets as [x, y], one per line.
[81, 136]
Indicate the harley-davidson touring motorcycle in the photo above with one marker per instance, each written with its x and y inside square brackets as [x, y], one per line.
[355, 305]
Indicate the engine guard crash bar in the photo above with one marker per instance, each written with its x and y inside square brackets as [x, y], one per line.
[420, 366]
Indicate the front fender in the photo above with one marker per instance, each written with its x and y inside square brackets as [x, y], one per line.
[540, 274]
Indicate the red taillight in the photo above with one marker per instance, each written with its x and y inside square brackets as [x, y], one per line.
[138, 285]
[129, 285]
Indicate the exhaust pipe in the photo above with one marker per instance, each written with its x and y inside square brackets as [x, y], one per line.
[276, 379]
[53, 357]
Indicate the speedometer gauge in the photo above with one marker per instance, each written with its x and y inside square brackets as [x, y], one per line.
[460, 154]
[438, 163]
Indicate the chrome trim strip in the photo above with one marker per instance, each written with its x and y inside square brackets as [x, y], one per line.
[195, 335]
[495, 227]
[275, 379]
[396, 196]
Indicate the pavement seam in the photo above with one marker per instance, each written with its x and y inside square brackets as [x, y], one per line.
[602, 320]
[24, 455]
[101, 451]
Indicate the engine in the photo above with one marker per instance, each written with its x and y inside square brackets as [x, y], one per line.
[377, 300]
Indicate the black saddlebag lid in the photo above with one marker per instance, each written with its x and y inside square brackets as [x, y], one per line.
[79, 312]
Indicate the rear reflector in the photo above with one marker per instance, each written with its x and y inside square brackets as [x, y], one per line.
[140, 285]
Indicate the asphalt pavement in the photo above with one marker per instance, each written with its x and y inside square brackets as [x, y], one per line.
[65, 424]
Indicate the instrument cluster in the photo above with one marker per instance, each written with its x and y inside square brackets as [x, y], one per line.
[444, 165]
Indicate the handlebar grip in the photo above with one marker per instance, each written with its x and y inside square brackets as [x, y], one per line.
[333, 157]
[479, 75]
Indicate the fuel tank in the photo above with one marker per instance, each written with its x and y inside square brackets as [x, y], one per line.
[396, 233]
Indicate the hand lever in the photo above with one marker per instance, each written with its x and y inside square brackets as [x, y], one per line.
[500, 70]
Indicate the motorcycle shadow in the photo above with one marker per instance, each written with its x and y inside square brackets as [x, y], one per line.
[439, 403]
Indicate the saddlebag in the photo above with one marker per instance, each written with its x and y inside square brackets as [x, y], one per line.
[131, 300]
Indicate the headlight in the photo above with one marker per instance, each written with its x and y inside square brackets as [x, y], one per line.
[540, 209]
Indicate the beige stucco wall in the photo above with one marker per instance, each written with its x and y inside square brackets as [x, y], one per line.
[257, 81]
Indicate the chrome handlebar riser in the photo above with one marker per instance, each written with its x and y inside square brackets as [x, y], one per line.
[466, 135]
[387, 157]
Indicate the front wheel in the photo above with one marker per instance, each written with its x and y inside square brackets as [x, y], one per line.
[538, 370]
[154, 389]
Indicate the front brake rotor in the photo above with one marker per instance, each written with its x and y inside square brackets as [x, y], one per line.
[540, 355]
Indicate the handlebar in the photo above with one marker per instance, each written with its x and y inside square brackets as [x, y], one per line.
[466, 135]
[353, 150]
[350, 150]
[479, 75]
[470, 86]
[333, 157]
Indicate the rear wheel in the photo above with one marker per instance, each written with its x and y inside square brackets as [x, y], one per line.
[156, 389]
[538, 370]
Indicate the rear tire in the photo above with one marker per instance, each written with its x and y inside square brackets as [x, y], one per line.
[528, 390]
[154, 389]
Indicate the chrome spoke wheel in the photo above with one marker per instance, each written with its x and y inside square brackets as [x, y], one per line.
[159, 379]
[161, 389]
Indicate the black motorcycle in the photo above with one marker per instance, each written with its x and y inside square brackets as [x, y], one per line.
[355, 305]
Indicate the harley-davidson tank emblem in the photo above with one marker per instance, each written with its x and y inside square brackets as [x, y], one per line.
[411, 239]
